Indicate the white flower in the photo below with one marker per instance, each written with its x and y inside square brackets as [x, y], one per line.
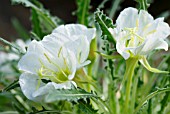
[138, 33]
[76, 38]
[55, 58]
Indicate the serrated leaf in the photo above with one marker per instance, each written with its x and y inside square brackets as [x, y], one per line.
[68, 94]
[83, 11]
[105, 23]
[86, 108]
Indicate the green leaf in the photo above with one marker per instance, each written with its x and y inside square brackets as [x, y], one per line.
[164, 102]
[159, 91]
[83, 11]
[68, 94]
[11, 86]
[143, 4]
[105, 23]
[114, 8]
[36, 26]
[86, 108]
[19, 109]
[109, 56]
[145, 63]
[41, 18]
[20, 29]
[12, 45]
[101, 5]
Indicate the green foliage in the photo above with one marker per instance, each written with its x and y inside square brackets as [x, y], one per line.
[22, 32]
[43, 22]
[105, 23]
[86, 107]
[151, 95]
[83, 11]
[114, 8]
[68, 94]
[109, 56]
[12, 86]
[12, 45]
[143, 4]
[109, 43]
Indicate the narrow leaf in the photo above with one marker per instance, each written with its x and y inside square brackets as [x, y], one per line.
[20, 29]
[12, 45]
[145, 63]
[159, 91]
[68, 94]
[109, 56]
[11, 86]
[83, 11]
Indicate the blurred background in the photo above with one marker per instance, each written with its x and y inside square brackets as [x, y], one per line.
[64, 9]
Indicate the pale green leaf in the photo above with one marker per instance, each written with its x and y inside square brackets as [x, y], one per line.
[68, 94]
[109, 56]
[145, 63]
[83, 11]
[159, 91]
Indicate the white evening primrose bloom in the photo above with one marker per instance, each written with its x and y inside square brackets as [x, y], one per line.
[137, 34]
[75, 37]
[51, 59]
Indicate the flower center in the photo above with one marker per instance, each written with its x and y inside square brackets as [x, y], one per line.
[132, 38]
[60, 75]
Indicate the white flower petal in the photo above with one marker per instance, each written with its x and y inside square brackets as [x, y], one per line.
[122, 50]
[144, 19]
[152, 43]
[158, 29]
[28, 83]
[31, 61]
[162, 45]
[127, 18]
[71, 30]
[81, 48]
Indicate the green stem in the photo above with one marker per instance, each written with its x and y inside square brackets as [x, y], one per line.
[149, 97]
[135, 83]
[115, 6]
[130, 67]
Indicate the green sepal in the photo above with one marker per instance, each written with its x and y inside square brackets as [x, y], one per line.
[145, 63]
[109, 56]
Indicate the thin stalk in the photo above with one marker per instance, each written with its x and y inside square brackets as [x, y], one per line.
[115, 6]
[133, 99]
[130, 67]
[12, 45]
